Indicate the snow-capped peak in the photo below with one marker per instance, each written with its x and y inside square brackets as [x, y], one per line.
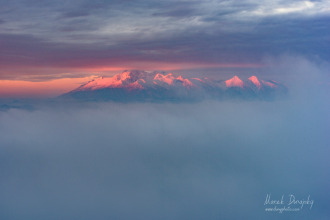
[135, 80]
[170, 80]
[139, 85]
[165, 78]
[125, 79]
[234, 82]
[139, 80]
[255, 81]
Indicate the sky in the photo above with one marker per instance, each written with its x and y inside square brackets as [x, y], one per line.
[201, 160]
[66, 42]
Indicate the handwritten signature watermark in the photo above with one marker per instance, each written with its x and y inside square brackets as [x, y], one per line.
[288, 203]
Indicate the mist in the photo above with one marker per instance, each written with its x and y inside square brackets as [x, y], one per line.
[205, 160]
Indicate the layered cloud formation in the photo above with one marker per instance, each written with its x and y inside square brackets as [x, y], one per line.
[208, 160]
[43, 40]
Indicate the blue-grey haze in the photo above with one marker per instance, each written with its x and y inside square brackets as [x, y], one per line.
[206, 160]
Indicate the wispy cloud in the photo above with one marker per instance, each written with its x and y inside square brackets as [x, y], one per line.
[102, 34]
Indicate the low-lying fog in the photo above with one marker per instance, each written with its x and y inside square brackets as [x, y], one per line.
[207, 160]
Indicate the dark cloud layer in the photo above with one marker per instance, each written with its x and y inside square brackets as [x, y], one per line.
[108, 33]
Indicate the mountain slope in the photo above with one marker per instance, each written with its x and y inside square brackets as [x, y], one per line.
[143, 86]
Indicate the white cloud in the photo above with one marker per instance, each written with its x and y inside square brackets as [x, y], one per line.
[304, 8]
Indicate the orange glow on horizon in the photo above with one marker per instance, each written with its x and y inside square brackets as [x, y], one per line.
[45, 89]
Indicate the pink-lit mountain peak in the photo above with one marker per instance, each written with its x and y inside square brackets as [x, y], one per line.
[135, 80]
[130, 76]
[255, 81]
[234, 82]
[180, 78]
[144, 86]
[122, 80]
[100, 83]
[139, 80]
[170, 79]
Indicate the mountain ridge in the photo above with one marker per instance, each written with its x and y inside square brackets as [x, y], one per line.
[144, 86]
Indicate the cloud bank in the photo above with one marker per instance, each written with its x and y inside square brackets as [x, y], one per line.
[50, 38]
[209, 160]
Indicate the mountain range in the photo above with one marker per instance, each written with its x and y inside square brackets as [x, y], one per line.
[145, 86]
